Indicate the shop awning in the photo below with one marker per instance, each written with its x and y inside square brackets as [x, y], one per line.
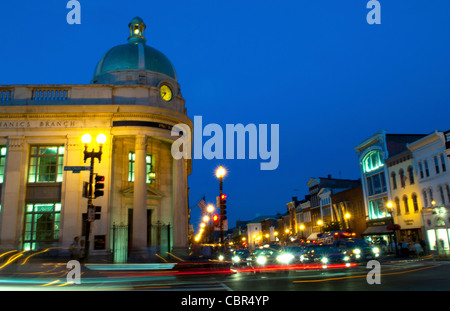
[373, 230]
[313, 236]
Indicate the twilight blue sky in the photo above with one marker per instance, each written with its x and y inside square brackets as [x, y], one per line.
[316, 68]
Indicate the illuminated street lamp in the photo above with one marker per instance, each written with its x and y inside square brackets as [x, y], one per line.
[390, 208]
[92, 155]
[347, 219]
[319, 223]
[220, 173]
[302, 229]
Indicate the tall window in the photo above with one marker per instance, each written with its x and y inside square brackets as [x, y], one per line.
[448, 192]
[415, 203]
[402, 178]
[41, 225]
[444, 169]
[394, 181]
[131, 161]
[425, 198]
[372, 161]
[436, 164]
[427, 171]
[421, 169]
[397, 206]
[376, 184]
[411, 175]
[46, 164]
[2, 163]
[405, 203]
[441, 192]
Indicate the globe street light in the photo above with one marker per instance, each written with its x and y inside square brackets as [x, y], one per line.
[92, 155]
[220, 173]
[390, 208]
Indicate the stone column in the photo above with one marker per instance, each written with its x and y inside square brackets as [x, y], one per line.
[13, 194]
[139, 242]
[180, 216]
[73, 204]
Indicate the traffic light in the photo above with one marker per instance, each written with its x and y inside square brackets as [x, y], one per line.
[223, 206]
[215, 220]
[99, 186]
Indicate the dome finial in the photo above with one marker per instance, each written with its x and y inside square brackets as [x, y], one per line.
[137, 28]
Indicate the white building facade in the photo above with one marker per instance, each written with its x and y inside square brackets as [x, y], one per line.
[134, 99]
[432, 166]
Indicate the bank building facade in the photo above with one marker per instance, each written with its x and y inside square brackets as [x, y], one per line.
[132, 103]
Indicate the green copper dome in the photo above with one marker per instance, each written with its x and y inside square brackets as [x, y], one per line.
[134, 55]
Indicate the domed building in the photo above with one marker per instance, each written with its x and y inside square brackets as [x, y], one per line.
[49, 191]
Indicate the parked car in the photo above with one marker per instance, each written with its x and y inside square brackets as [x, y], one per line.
[324, 254]
[290, 254]
[358, 249]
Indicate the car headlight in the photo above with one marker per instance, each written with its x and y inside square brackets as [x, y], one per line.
[346, 258]
[221, 258]
[261, 260]
[285, 258]
[357, 251]
[376, 250]
[236, 259]
[324, 260]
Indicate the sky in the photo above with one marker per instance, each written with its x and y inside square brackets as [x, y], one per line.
[316, 68]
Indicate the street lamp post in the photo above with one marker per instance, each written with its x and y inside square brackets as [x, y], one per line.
[390, 207]
[220, 173]
[210, 209]
[86, 139]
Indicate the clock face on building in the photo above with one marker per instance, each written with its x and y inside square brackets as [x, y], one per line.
[166, 92]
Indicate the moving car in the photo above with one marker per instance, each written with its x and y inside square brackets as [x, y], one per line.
[324, 254]
[357, 249]
[240, 256]
[290, 254]
[263, 256]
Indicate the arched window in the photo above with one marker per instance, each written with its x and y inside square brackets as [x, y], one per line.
[401, 173]
[441, 192]
[415, 203]
[411, 175]
[430, 192]
[372, 161]
[421, 169]
[394, 181]
[444, 168]
[397, 206]
[405, 203]
[448, 192]
[427, 171]
[425, 198]
[436, 164]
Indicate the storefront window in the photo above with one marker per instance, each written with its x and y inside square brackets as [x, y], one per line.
[432, 239]
[2, 163]
[41, 225]
[442, 239]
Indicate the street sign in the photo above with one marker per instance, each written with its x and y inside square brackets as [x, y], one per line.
[77, 169]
